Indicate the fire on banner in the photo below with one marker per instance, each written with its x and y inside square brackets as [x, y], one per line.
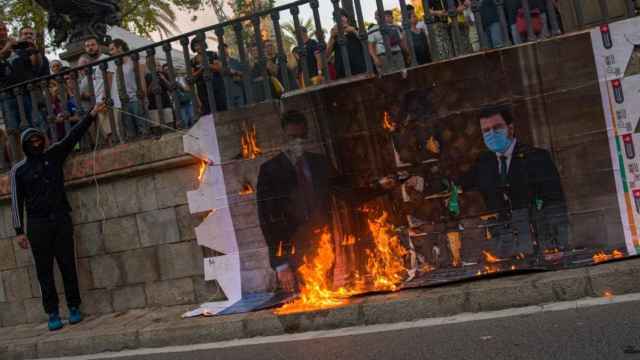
[420, 178]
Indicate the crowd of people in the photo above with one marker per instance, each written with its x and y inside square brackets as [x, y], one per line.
[442, 44]
[145, 100]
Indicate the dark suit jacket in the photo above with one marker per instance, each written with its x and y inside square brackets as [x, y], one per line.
[532, 174]
[279, 205]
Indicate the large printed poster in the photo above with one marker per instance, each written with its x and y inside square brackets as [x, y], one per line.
[617, 56]
[425, 178]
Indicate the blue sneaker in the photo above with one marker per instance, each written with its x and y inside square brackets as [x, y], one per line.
[74, 315]
[54, 322]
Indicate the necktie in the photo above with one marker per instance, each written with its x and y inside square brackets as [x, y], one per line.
[305, 187]
[503, 170]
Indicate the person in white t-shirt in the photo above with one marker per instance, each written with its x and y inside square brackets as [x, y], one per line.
[397, 45]
[130, 114]
[93, 54]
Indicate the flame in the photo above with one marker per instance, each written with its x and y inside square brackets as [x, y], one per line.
[387, 123]
[513, 267]
[488, 269]
[247, 189]
[349, 240]
[433, 146]
[386, 263]
[608, 294]
[316, 290]
[602, 256]
[385, 269]
[280, 252]
[490, 258]
[551, 251]
[455, 244]
[250, 148]
[202, 170]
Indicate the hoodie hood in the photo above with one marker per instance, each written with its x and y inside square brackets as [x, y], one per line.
[26, 136]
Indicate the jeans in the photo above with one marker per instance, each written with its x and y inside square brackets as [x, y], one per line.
[54, 240]
[133, 120]
[187, 115]
[494, 35]
[11, 113]
[517, 39]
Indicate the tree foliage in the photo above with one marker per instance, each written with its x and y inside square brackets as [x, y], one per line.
[246, 7]
[140, 16]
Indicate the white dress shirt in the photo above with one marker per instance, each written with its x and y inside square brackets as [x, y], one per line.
[508, 154]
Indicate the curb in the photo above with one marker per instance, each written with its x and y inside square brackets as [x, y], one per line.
[144, 330]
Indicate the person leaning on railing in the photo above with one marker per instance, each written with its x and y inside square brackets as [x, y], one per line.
[129, 116]
[491, 24]
[419, 36]
[312, 58]
[93, 54]
[186, 102]
[518, 23]
[443, 28]
[397, 45]
[353, 44]
[8, 101]
[161, 114]
[198, 66]
[63, 112]
[235, 69]
[23, 62]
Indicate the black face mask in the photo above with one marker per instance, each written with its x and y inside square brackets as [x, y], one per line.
[37, 150]
[32, 150]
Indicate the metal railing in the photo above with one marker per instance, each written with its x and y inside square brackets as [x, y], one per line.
[261, 71]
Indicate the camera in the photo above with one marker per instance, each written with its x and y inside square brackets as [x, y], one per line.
[23, 45]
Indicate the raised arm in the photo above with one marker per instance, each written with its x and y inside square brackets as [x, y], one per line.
[62, 148]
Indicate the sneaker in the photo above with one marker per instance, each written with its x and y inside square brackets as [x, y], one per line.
[74, 315]
[54, 322]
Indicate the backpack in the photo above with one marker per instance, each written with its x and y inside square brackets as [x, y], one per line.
[536, 22]
[394, 36]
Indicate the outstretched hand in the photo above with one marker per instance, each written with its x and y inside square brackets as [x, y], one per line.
[100, 107]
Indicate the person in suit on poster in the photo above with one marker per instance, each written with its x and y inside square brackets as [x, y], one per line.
[293, 198]
[519, 182]
[293, 194]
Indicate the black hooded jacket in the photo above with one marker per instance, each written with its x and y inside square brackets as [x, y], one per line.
[38, 180]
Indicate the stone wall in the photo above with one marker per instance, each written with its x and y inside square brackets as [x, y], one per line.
[134, 235]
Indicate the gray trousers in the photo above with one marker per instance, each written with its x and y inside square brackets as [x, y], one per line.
[395, 64]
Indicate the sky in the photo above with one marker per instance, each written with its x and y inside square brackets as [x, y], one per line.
[207, 16]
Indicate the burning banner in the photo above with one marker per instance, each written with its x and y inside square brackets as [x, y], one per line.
[411, 191]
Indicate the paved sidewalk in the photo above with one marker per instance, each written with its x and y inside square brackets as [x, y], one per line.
[147, 328]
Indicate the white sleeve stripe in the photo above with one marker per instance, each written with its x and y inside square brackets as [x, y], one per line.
[14, 198]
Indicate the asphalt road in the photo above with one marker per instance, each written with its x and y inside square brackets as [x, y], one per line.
[609, 331]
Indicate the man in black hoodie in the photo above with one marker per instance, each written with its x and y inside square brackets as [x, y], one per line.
[38, 182]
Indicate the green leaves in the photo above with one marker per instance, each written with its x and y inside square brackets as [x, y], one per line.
[140, 16]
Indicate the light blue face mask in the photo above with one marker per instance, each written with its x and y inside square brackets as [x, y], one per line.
[497, 141]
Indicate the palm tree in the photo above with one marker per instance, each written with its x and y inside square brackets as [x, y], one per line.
[289, 33]
[141, 16]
